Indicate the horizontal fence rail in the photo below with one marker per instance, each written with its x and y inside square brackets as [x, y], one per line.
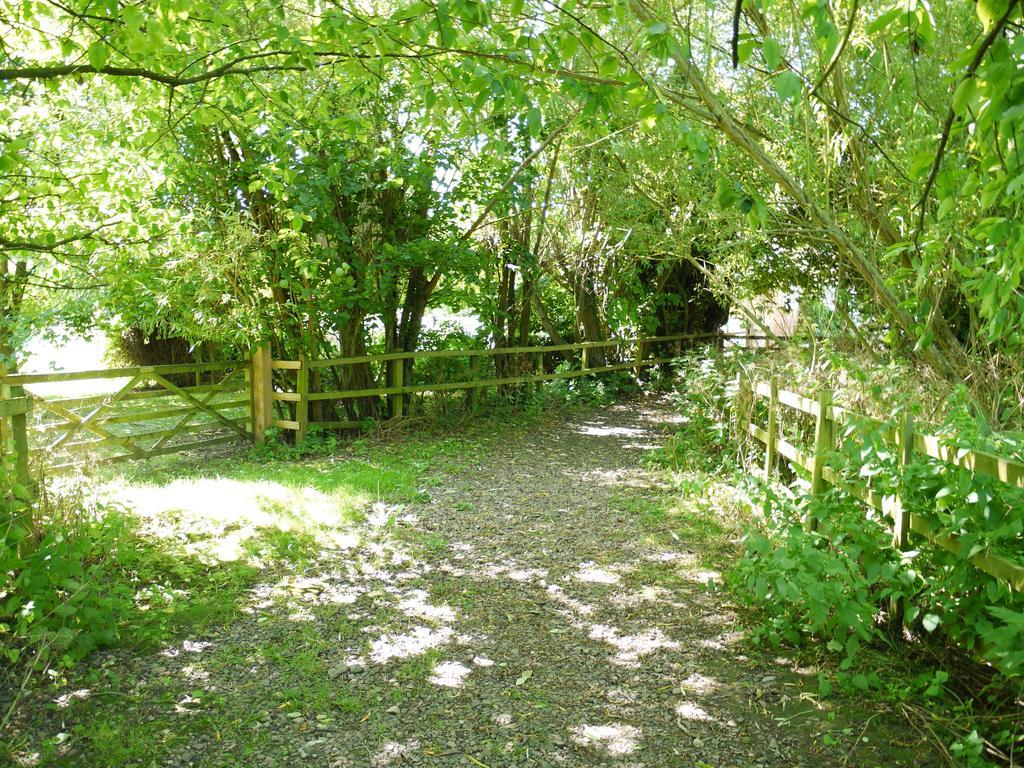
[907, 442]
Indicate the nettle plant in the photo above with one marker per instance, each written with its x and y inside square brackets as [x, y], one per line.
[826, 584]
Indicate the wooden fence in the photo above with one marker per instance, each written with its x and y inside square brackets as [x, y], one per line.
[629, 354]
[135, 413]
[907, 441]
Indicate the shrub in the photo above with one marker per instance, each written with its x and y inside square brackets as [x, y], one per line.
[59, 598]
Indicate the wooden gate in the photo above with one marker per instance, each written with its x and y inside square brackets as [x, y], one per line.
[120, 414]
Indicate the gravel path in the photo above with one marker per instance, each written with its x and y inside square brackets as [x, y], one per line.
[520, 617]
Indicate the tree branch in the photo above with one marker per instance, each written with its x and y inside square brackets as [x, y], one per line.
[947, 126]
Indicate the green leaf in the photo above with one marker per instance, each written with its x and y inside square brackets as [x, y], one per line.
[772, 53]
[884, 20]
[788, 86]
[98, 55]
[824, 686]
[533, 121]
[964, 95]
[930, 622]
[946, 206]
[568, 45]
[657, 28]
[921, 163]
[524, 677]
[609, 65]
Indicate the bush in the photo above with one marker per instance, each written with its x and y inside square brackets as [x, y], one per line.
[59, 599]
[703, 392]
[828, 584]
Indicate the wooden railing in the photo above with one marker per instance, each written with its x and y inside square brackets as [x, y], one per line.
[631, 354]
[907, 442]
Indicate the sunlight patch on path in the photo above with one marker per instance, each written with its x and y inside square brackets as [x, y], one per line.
[222, 515]
[402, 646]
[417, 605]
[590, 572]
[450, 674]
[632, 647]
[611, 739]
[393, 753]
[688, 710]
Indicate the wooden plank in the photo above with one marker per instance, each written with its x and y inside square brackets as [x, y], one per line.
[865, 494]
[798, 402]
[824, 443]
[157, 433]
[1009, 472]
[87, 421]
[784, 448]
[15, 406]
[432, 353]
[137, 417]
[787, 398]
[448, 386]
[994, 565]
[262, 393]
[794, 454]
[76, 422]
[289, 365]
[147, 454]
[900, 514]
[286, 424]
[220, 417]
[757, 431]
[898, 511]
[146, 394]
[842, 415]
[206, 401]
[141, 417]
[302, 404]
[397, 399]
[338, 424]
[457, 385]
[19, 438]
[143, 372]
[771, 450]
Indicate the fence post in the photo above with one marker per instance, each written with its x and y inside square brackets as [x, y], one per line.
[472, 393]
[824, 442]
[18, 437]
[397, 399]
[316, 407]
[900, 514]
[261, 384]
[302, 405]
[742, 416]
[771, 450]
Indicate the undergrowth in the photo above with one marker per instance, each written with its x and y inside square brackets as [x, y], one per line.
[820, 574]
